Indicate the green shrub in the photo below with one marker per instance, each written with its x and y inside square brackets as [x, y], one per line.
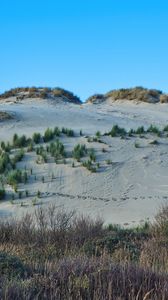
[19, 142]
[117, 131]
[140, 130]
[165, 128]
[153, 129]
[18, 157]
[98, 134]
[57, 150]
[4, 162]
[11, 266]
[14, 177]
[57, 131]
[48, 135]
[79, 151]
[88, 165]
[36, 138]
[92, 155]
[68, 132]
[30, 147]
[2, 193]
[154, 142]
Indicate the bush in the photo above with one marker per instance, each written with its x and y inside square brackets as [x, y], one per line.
[11, 266]
[98, 134]
[36, 138]
[153, 129]
[19, 142]
[79, 151]
[4, 162]
[88, 165]
[57, 150]
[165, 128]
[92, 155]
[117, 131]
[48, 135]
[14, 177]
[140, 130]
[18, 157]
[57, 131]
[2, 193]
[68, 132]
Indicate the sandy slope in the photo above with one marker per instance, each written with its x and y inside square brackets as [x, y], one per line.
[128, 191]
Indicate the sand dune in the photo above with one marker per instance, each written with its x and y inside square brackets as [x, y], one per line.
[127, 191]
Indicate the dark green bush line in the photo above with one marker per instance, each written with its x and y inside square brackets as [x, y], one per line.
[119, 131]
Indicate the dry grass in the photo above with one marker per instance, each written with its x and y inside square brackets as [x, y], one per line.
[39, 92]
[57, 255]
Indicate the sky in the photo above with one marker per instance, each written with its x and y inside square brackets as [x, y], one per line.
[85, 46]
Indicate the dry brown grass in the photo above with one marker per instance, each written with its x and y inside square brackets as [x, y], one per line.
[63, 256]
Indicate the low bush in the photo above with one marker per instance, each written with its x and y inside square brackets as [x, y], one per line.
[2, 193]
[14, 177]
[117, 131]
[68, 132]
[19, 142]
[36, 138]
[48, 135]
[79, 151]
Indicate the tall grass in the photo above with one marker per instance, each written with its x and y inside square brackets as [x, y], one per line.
[57, 255]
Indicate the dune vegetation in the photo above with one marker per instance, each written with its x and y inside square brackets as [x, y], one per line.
[54, 254]
[40, 92]
[138, 93]
[50, 146]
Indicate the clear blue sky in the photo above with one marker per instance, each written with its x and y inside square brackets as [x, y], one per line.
[86, 46]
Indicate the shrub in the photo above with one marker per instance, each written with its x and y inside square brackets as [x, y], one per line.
[140, 130]
[117, 131]
[30, 147]
[48, 135]
[19, 142]
[98, 134]
[154, 142]
[38, 194]
[153, 129]
[165, 128]
[36, 138]
[57, 150]
[18, 157]
[92, 155]
[68, 132]
[14, 177]
[79, 151]
[136, 145]
[57, 131]
[11, 266]
[4, 162]
[88, 165]
[2, 193]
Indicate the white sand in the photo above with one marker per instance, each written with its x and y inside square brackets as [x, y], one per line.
[127, 192]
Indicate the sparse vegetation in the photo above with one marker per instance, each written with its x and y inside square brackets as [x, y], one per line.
[36, 138]
[48, 135]
[117, 131]
[79, 151]
[68, 132]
